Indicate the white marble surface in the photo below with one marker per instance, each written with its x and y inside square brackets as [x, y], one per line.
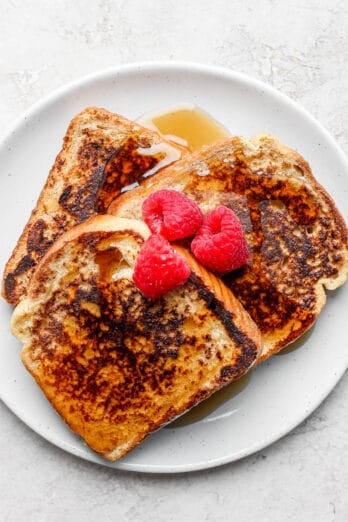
[300, 48]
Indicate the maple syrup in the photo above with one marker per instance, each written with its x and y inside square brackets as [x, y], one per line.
[209, 405]
[186, 125]
[295, 345]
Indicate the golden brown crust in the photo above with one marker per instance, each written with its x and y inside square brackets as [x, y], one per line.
[115, 365]
[297, 237]
[102, 154]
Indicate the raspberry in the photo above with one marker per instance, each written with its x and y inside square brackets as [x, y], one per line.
[158, 268]
[220, 244]
[171, 214]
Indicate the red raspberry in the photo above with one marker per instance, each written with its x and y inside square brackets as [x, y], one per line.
[220, 244]
[159, 268]
[171, 214]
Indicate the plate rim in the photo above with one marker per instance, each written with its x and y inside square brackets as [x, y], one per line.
[180, 66]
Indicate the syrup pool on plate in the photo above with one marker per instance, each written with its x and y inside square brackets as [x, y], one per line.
[211, 404]
[185, 124]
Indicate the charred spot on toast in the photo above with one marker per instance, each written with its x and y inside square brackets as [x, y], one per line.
[10, 287]
[37, 241]
[250, 349]
[111, 170]
[36, 246]
[25, 263]
[125, 167]
[10, 281]
[80, 202]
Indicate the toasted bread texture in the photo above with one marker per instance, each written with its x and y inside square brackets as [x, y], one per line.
[102, 154]
[296, 235]
[115, 365]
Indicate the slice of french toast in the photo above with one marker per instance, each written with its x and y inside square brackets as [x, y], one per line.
[114, 364]
[296, 235]
[102, 154]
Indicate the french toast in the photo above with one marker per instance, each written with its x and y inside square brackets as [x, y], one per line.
[296, 235]
[114, 364]
[102, 154]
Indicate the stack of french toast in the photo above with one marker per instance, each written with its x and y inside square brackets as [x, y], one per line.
[117, 365]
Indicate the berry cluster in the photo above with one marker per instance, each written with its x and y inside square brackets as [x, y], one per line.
[219, 243]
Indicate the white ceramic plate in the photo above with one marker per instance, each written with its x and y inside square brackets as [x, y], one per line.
[281, 392]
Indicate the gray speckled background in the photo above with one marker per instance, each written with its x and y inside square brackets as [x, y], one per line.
[298, 47]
